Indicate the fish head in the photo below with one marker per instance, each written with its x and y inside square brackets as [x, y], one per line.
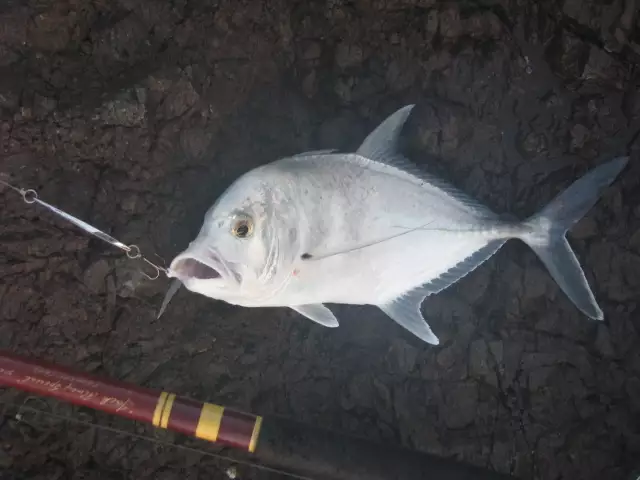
[242, 243]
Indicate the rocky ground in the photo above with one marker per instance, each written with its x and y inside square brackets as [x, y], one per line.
[135, 114]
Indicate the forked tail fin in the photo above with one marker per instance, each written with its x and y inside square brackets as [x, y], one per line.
[545, 233]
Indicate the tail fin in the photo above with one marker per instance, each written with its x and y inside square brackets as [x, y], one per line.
[545, 233]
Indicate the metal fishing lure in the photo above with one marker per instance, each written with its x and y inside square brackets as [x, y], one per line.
[132, 251]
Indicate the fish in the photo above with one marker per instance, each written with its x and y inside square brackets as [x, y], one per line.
[369, 228]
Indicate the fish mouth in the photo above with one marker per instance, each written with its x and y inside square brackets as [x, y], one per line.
[190, 268]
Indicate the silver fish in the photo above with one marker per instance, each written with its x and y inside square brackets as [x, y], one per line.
[368, 228]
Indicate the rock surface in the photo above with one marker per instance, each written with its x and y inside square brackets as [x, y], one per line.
[136, 114]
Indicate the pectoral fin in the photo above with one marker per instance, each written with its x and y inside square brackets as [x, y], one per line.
[318, 313]
[406, 312]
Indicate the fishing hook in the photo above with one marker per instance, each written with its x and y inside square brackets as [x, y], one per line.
[30, 196]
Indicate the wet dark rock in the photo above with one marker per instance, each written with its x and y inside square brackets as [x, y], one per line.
[485, 25]
[610, 378]
[579, 136]
[248, 359]
[534, 143]
[515, 274]
[511, 363]
[402, 73]
[496, 348]
[360, 392]
[343, 88]
[460, 405]
[483, 364]
[341, 132]
[632, 388]
[14, 26]
[310, 84]
[44, 105]
[602, 68]
[450, 23]
[7, 56]
[603, 341]
[348, 55]
[123, 41]
[402, 356]
[312, 51]
[584, 12]
[567, 55]
[585, 228]
[539, 378]
[535, 282]
[611, 267]
[179, 99]
[634, 241]
[9, 100]
[50, 31]
[6, 459]
[535, 360]
[476, 284]
[95, 276]
[447, 357]
[124, 113]
[617, 24]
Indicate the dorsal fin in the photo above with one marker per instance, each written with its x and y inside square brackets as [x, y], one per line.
[382, 144]
[310, 153]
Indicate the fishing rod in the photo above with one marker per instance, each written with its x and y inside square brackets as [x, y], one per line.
[20, 417]
[277, 443]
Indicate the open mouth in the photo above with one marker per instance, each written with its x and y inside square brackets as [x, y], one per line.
[191, 268]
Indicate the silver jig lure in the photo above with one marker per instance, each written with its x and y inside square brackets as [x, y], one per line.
[132, 251]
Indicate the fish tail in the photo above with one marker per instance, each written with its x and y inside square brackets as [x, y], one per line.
[546, 231]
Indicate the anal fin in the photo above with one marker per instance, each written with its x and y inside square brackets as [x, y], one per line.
[406, 312]
[318, 313]
[462, 269]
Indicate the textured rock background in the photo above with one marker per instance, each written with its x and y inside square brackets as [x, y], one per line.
[136, 114]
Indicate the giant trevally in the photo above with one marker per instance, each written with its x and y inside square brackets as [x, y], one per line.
[368, 228]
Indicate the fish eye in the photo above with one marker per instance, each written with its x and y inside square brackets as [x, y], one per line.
[242, 226]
